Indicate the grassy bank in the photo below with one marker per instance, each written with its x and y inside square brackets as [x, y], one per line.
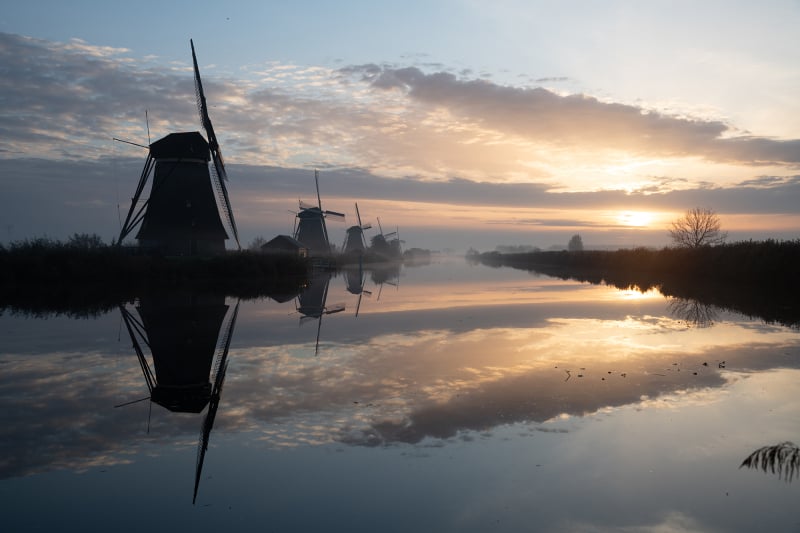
[42, 276]
[754, 278]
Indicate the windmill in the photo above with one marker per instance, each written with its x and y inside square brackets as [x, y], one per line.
[380, 245]
[354, 240]
[311, 303]
[187, 374]
[181, 216]
[310, 228]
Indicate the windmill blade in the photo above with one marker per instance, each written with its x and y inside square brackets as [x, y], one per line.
[366, 226]
[134, 216]
[222, 193]
[335, 308]
[358, 216]
[334, 214]
[316, 180]
[213, 404]
[202, 107]
[358, 304]
[220, 175]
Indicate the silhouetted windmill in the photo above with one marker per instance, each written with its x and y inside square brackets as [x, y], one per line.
[189, 357]
[311, 303]
[354, 240]
[310, 228]
[181, 216]
[382, 246]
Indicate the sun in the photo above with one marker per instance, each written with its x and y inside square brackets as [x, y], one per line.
[637, 219]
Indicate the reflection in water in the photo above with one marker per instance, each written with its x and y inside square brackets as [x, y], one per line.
[782, 459]
[450, 396]
[312, 302]
[181, 331]
[694, 312]
[355, 277]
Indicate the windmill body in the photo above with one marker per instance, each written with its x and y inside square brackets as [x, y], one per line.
[182, 216]
[354, 241]
[312, 231]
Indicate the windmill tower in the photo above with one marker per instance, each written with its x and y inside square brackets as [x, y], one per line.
[181, 216]
[310, 228]
[354, 240]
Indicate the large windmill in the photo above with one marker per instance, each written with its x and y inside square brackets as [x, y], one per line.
[354, 240]
[310, 228]
[181, 216]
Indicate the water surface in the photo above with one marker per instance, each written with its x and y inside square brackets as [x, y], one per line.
[444, 397]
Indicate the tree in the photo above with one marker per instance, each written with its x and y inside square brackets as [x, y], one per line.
[575, 244]
[85, 241]
[698, 227]
[256, 244]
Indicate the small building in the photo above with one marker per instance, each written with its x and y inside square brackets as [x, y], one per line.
[284, 244]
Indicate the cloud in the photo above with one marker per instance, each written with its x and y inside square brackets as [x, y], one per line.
[422, 142]
[579, 119]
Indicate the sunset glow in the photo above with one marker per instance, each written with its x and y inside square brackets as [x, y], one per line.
[635, 218]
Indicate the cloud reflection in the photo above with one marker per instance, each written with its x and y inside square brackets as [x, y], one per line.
[401, 376]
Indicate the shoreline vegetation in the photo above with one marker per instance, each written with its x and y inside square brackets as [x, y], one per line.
[86, 277]
[757, 279]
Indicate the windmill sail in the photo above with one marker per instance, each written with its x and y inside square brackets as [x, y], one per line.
[220, 175]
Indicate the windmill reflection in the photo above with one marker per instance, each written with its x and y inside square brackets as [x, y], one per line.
[385, 273]
[693, 312]
[311, 303]
[189, 352]
[355, 277]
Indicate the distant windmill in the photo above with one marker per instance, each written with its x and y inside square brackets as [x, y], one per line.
[310, 226]
[354, 240]
[181, 216]
[380, 245]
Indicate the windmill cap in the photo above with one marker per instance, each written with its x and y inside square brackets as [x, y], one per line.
[186, 145]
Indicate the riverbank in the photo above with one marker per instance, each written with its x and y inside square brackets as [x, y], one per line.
[753, 278]
[50, 277]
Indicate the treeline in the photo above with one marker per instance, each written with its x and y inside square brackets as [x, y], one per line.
[754, 278]
[83, 276]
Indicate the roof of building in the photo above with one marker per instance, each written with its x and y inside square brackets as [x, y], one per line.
[185, 145]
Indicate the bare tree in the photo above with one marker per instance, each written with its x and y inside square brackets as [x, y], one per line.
[256, 244]
[698, 227]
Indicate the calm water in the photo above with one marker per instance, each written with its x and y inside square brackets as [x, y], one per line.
[445, 397]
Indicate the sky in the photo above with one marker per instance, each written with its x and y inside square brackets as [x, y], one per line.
[456, 123]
